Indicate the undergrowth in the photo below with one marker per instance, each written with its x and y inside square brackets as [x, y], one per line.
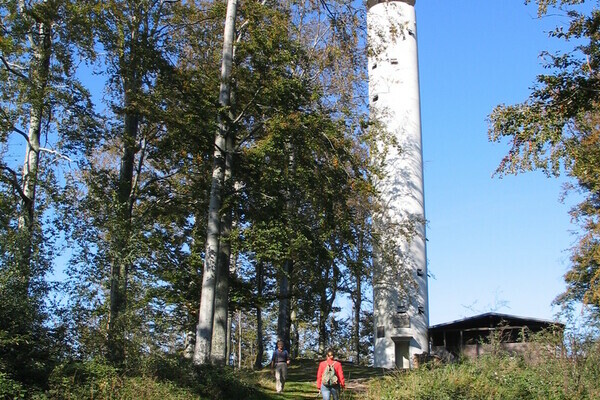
[160, 378]
[547, 375]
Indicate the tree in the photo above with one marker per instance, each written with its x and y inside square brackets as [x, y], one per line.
[167, 234]
[556, 131]
[123, 190]
[42, 104]
[204, 331]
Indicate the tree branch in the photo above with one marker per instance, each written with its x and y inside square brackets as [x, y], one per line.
[243, 112]
[13, 68]
[56, 153]
[135, 184]
[13, 180]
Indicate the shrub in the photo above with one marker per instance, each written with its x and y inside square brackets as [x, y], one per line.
[10, 389]
[547, 376]
[160, 378]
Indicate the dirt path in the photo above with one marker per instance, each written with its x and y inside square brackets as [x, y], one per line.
[301, 381]
[357, 386]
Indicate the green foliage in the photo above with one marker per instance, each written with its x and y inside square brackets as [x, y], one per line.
[46, 111]
[544, 373]
[133, 205]
[161, 378]
[9, 389]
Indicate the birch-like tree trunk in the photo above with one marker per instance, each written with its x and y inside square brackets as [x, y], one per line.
[204, 330]
[38, 81]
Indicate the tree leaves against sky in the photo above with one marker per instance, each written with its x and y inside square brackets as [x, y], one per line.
[556, 130]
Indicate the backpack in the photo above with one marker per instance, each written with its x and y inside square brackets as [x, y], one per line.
[329, 378]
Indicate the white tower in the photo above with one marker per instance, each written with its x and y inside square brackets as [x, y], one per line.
[400, 297]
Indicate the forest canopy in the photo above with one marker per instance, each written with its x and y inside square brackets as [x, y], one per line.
[191, 169]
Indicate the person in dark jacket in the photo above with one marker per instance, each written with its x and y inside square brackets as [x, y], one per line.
[280, 362]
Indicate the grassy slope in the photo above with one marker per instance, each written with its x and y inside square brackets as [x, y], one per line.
[302, 376]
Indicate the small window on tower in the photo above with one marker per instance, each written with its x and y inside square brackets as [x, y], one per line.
[402, 307]
[376, 97]
[374, 66]
[380, 332]
[393, 61]
[421, 310]
[419, 271]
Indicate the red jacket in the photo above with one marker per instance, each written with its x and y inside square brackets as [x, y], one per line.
[337, 367]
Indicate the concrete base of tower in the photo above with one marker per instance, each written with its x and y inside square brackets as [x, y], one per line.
[397, 352]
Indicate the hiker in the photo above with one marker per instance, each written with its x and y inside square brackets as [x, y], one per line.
[330, 377]
[280, 362]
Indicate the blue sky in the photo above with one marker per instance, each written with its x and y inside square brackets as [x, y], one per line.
[493, 244]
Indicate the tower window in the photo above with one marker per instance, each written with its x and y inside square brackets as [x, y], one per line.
[419, 271]
[380, 332]
[421, 310]
[393, 61]
[374, 66]
[402, 307]
[376, 97]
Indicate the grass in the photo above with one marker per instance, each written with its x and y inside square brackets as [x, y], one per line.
[302, 377]
[497, 377]
[500, 377]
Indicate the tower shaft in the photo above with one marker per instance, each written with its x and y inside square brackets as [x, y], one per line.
[400, 298]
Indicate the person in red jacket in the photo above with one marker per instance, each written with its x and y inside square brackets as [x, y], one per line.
[330, 390]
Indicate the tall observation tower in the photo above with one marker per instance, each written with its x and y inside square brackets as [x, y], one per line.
[400, 297]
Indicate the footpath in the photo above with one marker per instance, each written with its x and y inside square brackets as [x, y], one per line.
[302, 376]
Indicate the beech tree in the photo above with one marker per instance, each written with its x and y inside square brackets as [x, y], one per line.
[292, 110]
[204, 332]
[556, 130]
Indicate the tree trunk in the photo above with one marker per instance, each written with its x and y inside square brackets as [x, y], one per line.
[259, 325]
[228, 351]
[357, 298]
[204, 330]
[232, 273]
[120, 263]
[323, 334]
[121, 226]
[39, 76]
[188, 345]
[284, 319]
[356, 324]
[240, 339]
[218, 353]
[295, 336]
[326, 305]
[219, 338]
